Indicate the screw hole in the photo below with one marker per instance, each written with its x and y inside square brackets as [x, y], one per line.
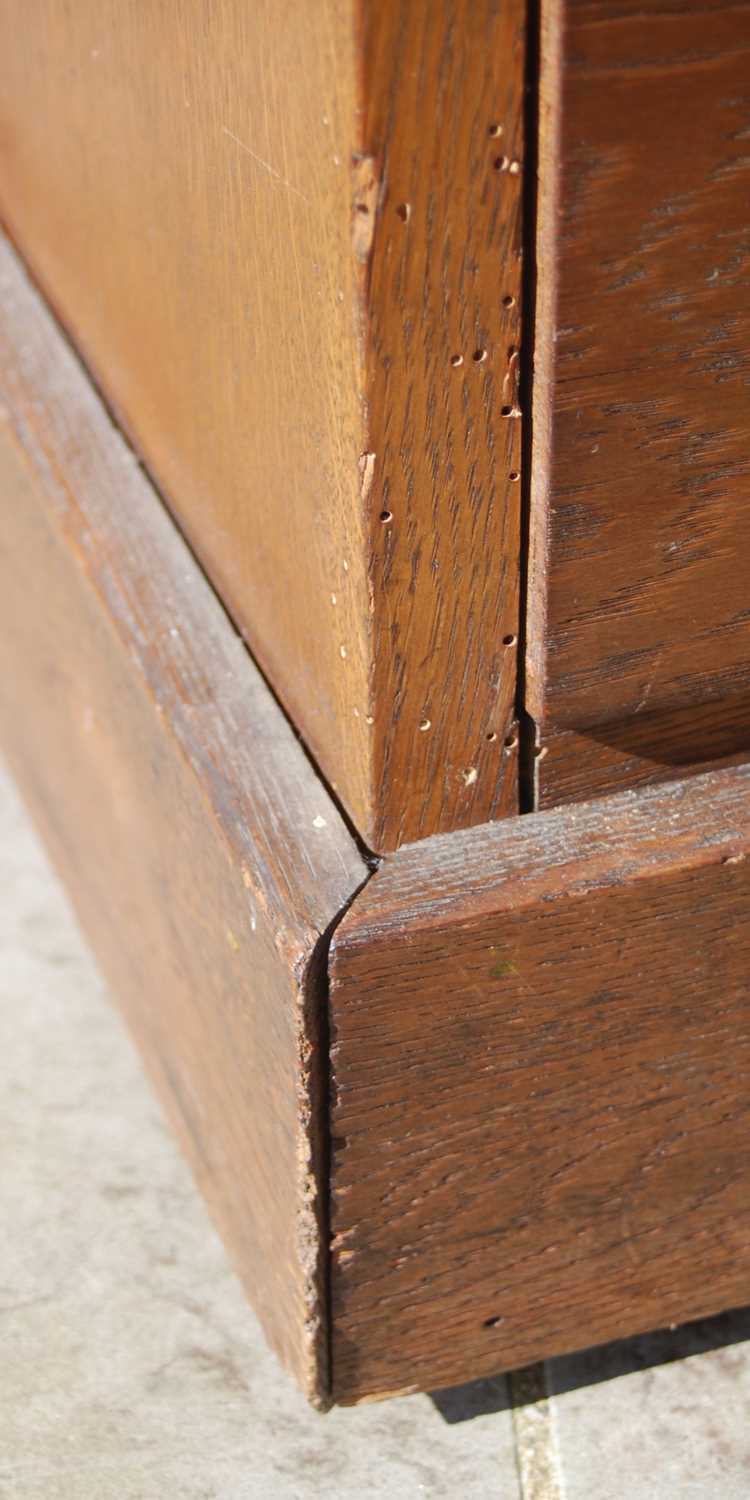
[362, 208]
[501, 163]
[494, 131]
[386, 516]
[509, 640]
[491, 736]
[425, 725]
[479, 356]
[404, 212]
[505, 411]
[508, 300]
[456, 360]
[514, 476]
[511, 742]
[492, 1322]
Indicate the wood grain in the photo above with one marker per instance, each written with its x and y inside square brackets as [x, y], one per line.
[641, 751]
[641, 498]
[444, 125]
[270, 230]
[541, 1052]
[205, 859]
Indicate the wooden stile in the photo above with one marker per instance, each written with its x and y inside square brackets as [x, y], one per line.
[444, 122]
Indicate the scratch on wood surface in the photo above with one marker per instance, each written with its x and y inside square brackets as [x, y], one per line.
[266, 165]
[650, 684]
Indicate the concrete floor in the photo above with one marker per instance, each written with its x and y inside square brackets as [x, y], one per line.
[132, 1368]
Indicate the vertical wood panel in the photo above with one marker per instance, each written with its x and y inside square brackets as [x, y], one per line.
[178, 177]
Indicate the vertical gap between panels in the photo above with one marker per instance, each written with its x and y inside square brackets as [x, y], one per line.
[527, 726]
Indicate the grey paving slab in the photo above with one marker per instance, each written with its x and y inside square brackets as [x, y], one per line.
[664, 1417]
[131, 1366]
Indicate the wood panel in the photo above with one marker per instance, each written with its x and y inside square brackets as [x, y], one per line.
[287, 241]
[205, 860]
[639, 604]
[541, 1053]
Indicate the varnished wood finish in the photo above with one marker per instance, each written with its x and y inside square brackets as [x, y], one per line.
[443, 105]
[541, 1053]
[641, 751]
[639, 603]
[178, 176]
[540, 1039]
[204, 857]
[270, 230]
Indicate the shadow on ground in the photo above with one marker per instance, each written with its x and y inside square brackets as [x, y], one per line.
[461, 1403]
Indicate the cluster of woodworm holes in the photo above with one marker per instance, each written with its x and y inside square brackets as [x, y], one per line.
[403, 210]
[500, 164]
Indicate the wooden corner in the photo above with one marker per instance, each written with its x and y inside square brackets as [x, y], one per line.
[517, 1078]
[287, 239]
